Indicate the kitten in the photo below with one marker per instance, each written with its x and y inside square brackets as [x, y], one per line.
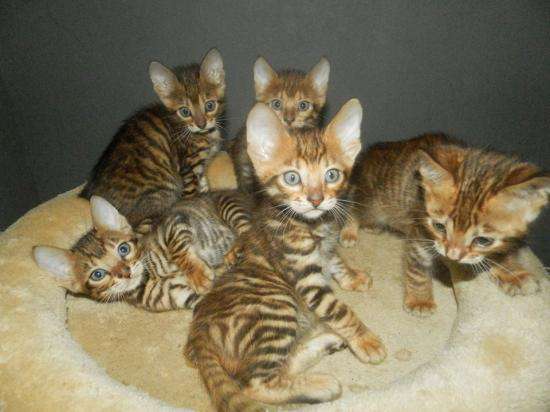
[169, 268]
[297, 99]
[274, 313]
[471, 206]
[160, 154]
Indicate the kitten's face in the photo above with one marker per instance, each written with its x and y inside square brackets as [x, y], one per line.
[195, 95]
[306, 171]
[296, 98]
[104, 264]
[482, 205]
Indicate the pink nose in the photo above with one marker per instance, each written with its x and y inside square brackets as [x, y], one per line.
[454, 253]
[315, 200]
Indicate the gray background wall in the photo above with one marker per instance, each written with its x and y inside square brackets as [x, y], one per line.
[71, 71]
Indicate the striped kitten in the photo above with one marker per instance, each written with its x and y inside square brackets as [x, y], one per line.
[169, 268]
[471, 206]
[160, 154]
[274, 314]
[297, 99]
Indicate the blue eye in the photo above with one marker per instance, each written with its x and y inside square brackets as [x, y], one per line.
[123, 249]
[276, 104]
[332, 175]
[291, 178]
[440, 227]
[184, 112]
[98, 274]
[483, 241]
[209, 106]
[304, 105]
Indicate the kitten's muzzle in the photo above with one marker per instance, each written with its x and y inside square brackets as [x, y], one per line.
[121, 270]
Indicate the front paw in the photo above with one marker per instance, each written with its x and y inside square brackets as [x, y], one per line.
[517, 283]
[368, 348]
[201, 281]
[356, 280]
[348, 237]
[419, 307]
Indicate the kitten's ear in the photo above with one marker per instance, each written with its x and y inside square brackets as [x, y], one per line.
[268, 143]
[59, 263]
[263, 76]
[212, 68]
[345, 128]
[434, 176]
[164, 81]
[106, 218]
[319, 75]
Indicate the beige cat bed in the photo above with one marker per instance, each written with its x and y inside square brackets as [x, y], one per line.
[58, 352]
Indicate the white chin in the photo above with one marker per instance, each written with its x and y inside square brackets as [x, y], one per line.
[313, 214]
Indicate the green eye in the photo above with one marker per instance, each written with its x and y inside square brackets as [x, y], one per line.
[304, 105]
[483, 241]
[291, 178]
[123, 249]
[440, 227]
[332, 175]
[209, 106]
[184, 112]
[98, 274]
[276, 104]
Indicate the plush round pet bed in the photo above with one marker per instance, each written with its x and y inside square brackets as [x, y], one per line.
[59, 352]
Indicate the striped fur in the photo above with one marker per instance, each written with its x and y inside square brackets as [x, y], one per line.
[291, 88]
[159, 155]
[274, 314]
[468, 205]
[168, 268]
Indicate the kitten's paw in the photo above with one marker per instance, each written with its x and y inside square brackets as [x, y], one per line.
[518, 283]
[318, 387]
[233, 256]
[368, 348]
[356, 280]
[419, 307]
[201, 281]
[348, 237]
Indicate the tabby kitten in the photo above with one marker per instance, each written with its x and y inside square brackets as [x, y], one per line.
[274, 313]
[297, 99]
[468, 205]
[160, 154]
[169, 268]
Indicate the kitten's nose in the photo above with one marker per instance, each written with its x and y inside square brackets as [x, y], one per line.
[315, 199]
[200, 121]
[289, 118]
[455, 253]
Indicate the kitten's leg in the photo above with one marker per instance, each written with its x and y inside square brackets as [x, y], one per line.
[311, 350]
[234, 212]
[199, 171]
[348, 278]
[164, 294]
[350, 232]
[419, 299]
[511, 276]
[339, 317]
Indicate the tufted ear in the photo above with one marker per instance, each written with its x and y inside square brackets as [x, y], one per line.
[345, 129]
[59, 263]
[165, 83]
[263, 76]
[268, 143]
[106, 218]
[212, 68]
[319, 76]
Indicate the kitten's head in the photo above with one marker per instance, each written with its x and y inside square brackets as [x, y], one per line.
[194, 94]
[479, 203]
[306, 171]
[297, 98]
[104, 264]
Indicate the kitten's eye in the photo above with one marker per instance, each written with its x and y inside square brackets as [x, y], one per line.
[304, 105]
[291, 178]
[276, 104]
[332, 175]
[98, 274]
[440, 227]
[184, 112]
[123, 249]
[483, 241]
[209, 106]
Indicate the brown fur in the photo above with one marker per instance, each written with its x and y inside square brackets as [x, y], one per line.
[412, 185]
[158, 156]
[274, 314]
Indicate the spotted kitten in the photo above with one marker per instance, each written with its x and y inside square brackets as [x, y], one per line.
[297, 99]
[160, 154]
[274, 314]
[169, 268]
[468, 205]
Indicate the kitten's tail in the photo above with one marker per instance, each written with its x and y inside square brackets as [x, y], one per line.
[225, 392]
